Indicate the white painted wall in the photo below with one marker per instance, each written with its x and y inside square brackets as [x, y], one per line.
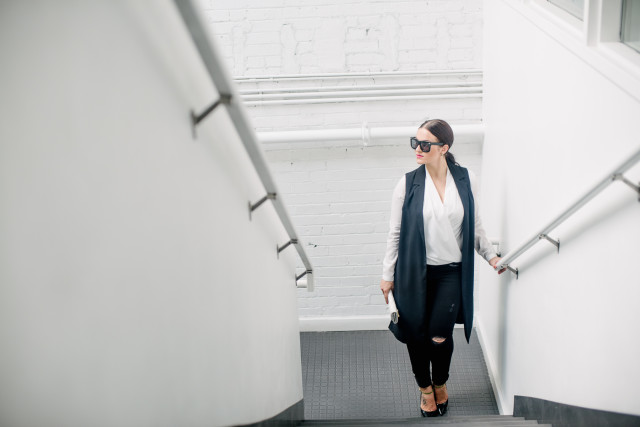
[273, 37]
[557, 120]
[134, 290]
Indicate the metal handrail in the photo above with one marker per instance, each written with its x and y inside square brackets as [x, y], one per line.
[230, 99]
[615, 175]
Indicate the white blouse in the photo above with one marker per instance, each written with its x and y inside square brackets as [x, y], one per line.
[442, 225]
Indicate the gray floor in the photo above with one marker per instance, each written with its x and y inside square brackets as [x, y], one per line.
[367, 374]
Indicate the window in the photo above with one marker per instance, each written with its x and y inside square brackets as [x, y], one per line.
[630, 26]
[574, 7]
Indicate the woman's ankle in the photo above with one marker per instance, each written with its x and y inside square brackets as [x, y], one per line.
[427, 399]
[441, 393]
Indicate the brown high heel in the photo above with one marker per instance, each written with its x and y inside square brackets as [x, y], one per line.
[442, 407]
[422, 411]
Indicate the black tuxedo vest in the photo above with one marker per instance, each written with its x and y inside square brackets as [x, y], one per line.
[410, 277]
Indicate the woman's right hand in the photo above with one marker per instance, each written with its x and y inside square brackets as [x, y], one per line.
[386, 288]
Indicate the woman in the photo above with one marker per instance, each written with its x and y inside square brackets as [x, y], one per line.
[428, 265]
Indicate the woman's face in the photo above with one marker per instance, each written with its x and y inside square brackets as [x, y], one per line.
[435, 154]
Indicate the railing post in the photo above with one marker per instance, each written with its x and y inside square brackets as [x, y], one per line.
[556, 243]
[285, 246]
[309, 281]
[197, 118]
[513, 270]
[620, 177]
[253, 207]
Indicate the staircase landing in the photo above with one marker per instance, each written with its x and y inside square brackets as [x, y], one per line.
[367, 375]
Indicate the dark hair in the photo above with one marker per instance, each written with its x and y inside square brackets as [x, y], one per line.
[441, 130]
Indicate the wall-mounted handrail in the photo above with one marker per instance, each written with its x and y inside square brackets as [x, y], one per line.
[235, 110]
[615, 175]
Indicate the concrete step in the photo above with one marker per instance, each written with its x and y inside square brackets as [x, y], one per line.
[449, 421]
[444, 419]
[460, 424]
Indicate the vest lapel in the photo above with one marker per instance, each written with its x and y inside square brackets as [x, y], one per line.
[419, 189]
[462, 184]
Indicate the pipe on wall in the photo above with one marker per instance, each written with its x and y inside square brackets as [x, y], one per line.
[364, 134]
[356, 99]
[377, 93]
[455, 84]
[247, 79]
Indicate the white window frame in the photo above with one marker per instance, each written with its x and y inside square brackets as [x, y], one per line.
[555, 3]
[561, 16]
[595, 39]
[603, 34]
[636, 48]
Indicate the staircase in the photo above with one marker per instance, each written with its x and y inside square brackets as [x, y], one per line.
[448, 421]
[364, 378]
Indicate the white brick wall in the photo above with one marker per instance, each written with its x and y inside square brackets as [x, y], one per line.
[379, 112]
[333, 36]
[339, 196]
[339, 200]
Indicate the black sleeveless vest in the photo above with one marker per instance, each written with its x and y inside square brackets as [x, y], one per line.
[410, 277]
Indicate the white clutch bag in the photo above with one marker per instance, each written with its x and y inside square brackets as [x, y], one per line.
[393, 310]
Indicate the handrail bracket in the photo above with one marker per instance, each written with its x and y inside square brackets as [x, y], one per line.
[513, 270]
[285, 246]
[556, 243]
[224, 99]
[309, 282]
[620, 177]
[303, 274]
[253, 207]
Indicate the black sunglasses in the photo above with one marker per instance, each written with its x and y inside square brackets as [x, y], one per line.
[425, 146]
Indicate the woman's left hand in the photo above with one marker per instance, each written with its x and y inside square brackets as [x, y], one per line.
[494, 263]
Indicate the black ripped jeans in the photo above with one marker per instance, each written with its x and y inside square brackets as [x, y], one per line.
[443, 301]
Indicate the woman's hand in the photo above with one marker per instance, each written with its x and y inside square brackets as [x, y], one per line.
[386, 288]
[494, 263]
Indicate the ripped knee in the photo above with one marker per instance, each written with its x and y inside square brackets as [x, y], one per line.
[438, 340]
